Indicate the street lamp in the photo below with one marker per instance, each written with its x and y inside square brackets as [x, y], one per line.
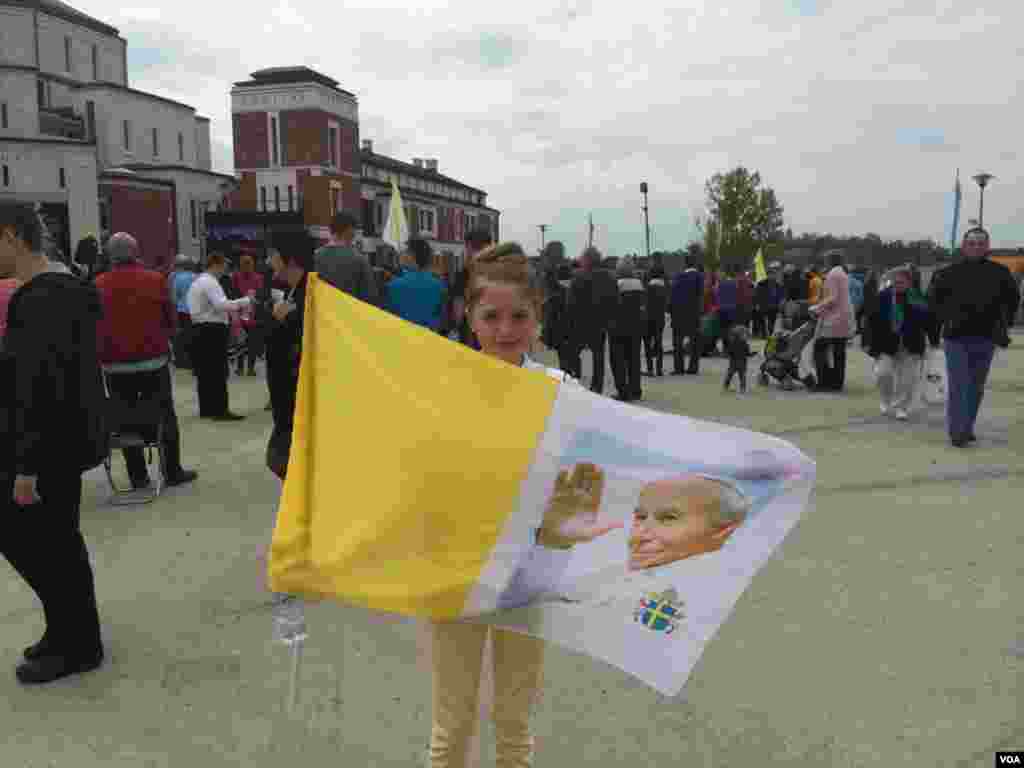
[982, 180]
[543, 229]
[647, 226]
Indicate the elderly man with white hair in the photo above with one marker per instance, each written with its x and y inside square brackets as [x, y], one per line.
[134, 343]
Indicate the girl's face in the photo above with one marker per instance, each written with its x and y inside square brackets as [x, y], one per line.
[504, 321]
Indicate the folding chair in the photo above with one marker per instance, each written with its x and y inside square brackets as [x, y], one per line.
[135, 424]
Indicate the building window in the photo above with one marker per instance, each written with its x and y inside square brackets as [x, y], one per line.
[7, 176]
[90, 119]
[332, 146]
[181, 147]
[273, 140]
[127, 126]
[62, 178]
[67, 54]
[291, 198]
[194, 218]
[3, 115]
[277, 198]
[156, 143]
[263, 198]
[95, 63]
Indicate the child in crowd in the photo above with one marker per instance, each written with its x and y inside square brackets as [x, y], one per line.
[737, 347]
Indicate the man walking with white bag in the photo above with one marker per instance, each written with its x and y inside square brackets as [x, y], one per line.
[899, 334]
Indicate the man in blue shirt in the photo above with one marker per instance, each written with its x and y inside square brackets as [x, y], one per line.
[417, 295]
[179, 282]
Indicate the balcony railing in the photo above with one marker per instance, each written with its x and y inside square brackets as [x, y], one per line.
[62, 122]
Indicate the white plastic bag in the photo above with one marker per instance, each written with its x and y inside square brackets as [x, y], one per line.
[933, 390]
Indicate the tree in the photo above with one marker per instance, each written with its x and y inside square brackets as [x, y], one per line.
[749, 214]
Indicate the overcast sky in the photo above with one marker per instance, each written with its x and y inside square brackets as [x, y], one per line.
[857, 113]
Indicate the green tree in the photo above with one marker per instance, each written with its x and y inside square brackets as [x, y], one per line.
[749, 214]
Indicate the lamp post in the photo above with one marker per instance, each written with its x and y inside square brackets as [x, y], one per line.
[982, 180]
[543, 229]
[647, 226]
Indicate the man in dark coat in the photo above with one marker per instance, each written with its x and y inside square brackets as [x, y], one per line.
[52, 432]
[974, 301]
[657, 305]
[290, 260]
[628, 328]
[686, 305]
[768, 296]
[593, 298]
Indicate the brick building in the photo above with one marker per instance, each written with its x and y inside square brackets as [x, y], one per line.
[296, 137]
[75, 137]
[439, 209]
[297, 148]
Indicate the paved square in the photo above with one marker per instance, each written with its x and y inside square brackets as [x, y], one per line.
[887, 631]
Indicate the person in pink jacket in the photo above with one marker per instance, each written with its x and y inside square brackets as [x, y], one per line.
[836, 325]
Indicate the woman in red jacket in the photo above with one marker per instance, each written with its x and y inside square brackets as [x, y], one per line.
[247, 282]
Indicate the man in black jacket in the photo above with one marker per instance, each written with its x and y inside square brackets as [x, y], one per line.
[657, 306]
[593, 297]
[974, 302]
[53, 433]
[290, 260]
[628, 328]
[686, 306]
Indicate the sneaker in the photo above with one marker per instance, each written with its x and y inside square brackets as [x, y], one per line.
[900, 414]
[183, 477]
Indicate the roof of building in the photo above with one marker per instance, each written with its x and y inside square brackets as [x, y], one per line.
[391, 164]
[63, 11]
[103, 84]
[290, 76]
[151, 167]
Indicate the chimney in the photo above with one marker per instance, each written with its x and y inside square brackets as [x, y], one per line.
[432, 166]
[418, 162]
[368, 145]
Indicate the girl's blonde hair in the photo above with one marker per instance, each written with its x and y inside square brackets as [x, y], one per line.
[504, 263]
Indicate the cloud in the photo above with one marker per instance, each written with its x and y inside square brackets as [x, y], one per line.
[858, 114]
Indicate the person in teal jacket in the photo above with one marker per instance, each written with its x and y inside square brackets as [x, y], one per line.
[418, 296]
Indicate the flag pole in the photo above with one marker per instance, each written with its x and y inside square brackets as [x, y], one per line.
[957, 193]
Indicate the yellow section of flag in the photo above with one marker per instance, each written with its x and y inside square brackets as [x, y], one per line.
[760, 273]
[408, 454]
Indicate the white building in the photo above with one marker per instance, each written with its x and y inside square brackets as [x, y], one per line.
[76, 137]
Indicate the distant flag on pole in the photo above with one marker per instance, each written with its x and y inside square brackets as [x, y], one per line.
[957, 197]
[396, 229]
[760, 273]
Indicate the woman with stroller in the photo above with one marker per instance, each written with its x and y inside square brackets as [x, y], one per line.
[835, 327]
[900, 329]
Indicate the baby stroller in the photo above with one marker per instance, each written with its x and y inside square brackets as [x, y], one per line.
[795, 314]
[782, 354]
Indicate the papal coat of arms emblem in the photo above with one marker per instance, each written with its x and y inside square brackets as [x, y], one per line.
[660, 612]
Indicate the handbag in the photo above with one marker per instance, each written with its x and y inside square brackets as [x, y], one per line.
[934, 390]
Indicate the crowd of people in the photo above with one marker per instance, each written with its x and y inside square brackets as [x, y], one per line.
[69, 343]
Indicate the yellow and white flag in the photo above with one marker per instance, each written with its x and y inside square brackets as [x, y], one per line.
[396, 228]
[760, 273]
[430, 480]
